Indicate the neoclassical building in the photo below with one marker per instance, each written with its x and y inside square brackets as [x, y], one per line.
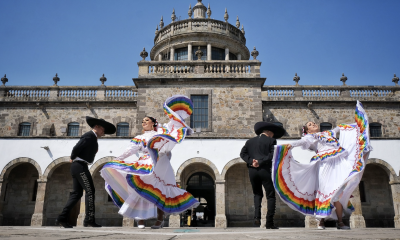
[208, 61]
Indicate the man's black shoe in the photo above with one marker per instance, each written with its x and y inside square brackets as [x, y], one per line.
[271, 227]
[91, 224]
[63, 224]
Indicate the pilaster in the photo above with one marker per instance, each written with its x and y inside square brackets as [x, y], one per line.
[1, 200]
[220, 217]
[310, 222]
[54, 93]
[356, 218]
[2, 93]
[395, 186]
[101, 93]
[82, 210]
[128, 222]
[38, 218]
[174, 221]
[209, 52]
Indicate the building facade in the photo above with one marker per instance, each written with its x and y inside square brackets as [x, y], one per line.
[208, 61]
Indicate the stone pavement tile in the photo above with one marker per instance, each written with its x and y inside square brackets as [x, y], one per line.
[36, 233]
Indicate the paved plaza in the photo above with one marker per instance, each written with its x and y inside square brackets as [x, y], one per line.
[28, 233]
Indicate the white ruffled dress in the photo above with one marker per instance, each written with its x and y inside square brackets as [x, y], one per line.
[332, 174]
[139, 187]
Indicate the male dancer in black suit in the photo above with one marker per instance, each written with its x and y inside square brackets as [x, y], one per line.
[258, 153]
[82, 155]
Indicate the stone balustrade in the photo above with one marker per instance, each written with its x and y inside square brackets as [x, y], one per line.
[200, 69]
[330, 93]
[67, 93]
[200, 25]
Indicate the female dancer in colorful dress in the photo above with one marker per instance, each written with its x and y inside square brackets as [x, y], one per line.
[323, 187]
[146, 188]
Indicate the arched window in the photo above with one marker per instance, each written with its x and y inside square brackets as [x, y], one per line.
[325, 126]
[123, 129]
[73, 129]
[375, 130]
[24, 129]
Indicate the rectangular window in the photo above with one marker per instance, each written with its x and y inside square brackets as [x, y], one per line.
[122, 129]
[375, 130]
[362, 192]
[24, 129]
[199, 118]
[73, 129]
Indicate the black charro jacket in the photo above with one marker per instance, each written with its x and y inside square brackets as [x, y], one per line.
[260, 148]
[86, 148]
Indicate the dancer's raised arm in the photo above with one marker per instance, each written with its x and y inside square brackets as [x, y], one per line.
[134, 146]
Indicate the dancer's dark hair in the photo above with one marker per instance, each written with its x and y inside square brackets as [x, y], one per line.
[305, 129]
[153, 120]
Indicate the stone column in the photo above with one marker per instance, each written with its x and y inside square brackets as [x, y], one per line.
[171, 57]
[159, 57]
[1, 199]
[82, 210]
[38, 218]
[174, 221]
[128, 222]
[310, 222]
[239, 56]
[190, 52]
[209, 52]
[220, 217]
[226, 54]
[395, 186]
[356, 218]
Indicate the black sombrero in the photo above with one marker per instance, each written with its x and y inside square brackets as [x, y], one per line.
[277, 130]
[109, 128]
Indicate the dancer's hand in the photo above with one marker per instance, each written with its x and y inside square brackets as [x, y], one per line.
[289, 146]
[255, 163]
[70, 161]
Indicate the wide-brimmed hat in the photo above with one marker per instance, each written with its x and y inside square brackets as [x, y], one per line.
[277, 130]
[109, 128]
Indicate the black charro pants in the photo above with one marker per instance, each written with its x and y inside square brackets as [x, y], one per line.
[262, 177]
[82, 180]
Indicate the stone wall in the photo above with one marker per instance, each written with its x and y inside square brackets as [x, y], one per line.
[233, 110]
[293, 115]
[378, 209]
[60, 116]
[18, 206]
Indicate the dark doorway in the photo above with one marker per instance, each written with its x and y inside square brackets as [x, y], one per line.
[202, 187]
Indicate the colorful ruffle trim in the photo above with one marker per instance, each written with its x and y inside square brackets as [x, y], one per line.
[168, 205]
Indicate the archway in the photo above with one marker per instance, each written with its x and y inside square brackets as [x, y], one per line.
[19, 192]
[189, 175]
[202, 186]
[58, 189]
[376, 195]
[239, 200]
[106, 211]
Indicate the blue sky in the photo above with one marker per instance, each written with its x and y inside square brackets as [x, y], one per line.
[81, 40]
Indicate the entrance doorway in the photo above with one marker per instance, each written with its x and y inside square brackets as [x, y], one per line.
[202, 187]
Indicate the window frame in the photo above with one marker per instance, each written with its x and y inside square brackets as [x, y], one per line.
[21, 130]
[375, 124]
[126, 124]
[69, 128]
[320, 126]
[207, 92]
